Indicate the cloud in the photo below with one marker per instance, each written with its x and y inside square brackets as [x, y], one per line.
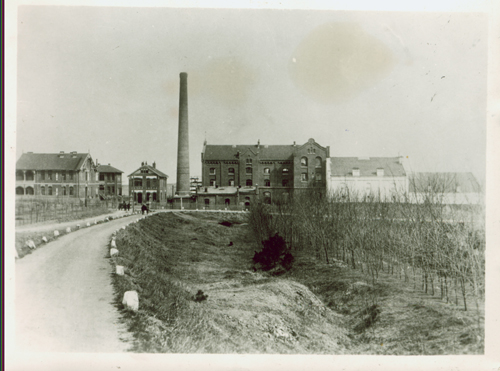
[336, 61]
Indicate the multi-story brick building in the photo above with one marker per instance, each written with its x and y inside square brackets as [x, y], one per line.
[110, 181]
[264, 171]
[56, 174]
[147, 184]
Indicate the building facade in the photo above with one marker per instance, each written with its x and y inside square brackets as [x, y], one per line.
[148, 184]
[264, 171]
[110, 181]
[378, 177]
[56, 174]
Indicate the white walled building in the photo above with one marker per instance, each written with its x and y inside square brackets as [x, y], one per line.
[382, 177]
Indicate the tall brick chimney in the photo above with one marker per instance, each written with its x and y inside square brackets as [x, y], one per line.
[183, 141]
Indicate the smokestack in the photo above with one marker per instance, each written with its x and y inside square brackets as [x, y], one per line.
[183, 188]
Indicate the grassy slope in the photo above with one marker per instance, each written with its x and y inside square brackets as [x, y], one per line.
[314, 308]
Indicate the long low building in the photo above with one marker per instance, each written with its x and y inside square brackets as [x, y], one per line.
[359, 177]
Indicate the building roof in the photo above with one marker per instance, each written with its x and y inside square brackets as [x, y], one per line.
[108, 169]
[227, 152]
[51, 161]
[443, 182]
[343, 166]
[151, 169]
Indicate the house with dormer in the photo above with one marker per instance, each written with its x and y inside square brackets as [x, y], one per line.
[56, 174]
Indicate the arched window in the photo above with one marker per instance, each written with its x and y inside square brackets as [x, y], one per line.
[304, 177]
[318, 176]
[231, 171]
[318, 162]
[249, 182]
[227, 201]
[19, 175]
[29, 175]
[42, 190]
[30, 191]
[207, 201]
[285, 171]
[267, 183]
[71, 191]
[50, 191]
[64, 191]
[248, 170]
[212, 171]
[19, 190]
[303, 161]
[249, 161]
[267, 170]
[284, 182]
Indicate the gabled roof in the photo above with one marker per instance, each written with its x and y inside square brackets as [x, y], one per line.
[443, 182]
[152, 170]
[228, 152]
[343, 166]
[51, 161]
[108, 169]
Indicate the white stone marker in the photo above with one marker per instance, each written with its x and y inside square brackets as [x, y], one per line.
[131, 300]
[113, 252]
[68, 230]
[56, 233]
[120, 270]
[44, 239]
[31, 244]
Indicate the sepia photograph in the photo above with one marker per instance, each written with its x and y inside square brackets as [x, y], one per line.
[252, 186]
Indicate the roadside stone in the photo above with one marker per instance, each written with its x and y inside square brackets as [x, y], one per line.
[31, 244]
[120, 270]
[131, 300]
[56, 233]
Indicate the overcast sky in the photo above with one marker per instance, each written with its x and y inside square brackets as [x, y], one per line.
[364, 83]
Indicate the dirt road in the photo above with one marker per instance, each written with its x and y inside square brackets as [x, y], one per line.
[64, 295]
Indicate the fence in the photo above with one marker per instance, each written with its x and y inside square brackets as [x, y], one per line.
[31, 210]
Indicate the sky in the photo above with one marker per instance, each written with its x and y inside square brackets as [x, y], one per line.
[106, 80]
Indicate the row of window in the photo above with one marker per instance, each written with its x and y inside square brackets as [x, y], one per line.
[108, 177]
[284, 171]
[150, 183]
[54, 175]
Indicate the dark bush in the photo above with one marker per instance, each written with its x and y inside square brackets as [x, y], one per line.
[274, 253]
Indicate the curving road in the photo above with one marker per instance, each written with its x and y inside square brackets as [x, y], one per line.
[64, 295]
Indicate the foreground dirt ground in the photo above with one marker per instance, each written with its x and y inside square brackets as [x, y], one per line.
[199, 293]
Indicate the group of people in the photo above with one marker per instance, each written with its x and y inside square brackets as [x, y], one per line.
[124, 206]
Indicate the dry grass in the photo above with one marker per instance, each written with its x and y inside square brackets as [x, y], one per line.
[313, 308]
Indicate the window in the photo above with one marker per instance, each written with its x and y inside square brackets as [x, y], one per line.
[30, 191]
[249, 182]
[120, 191]
[267, 170]
[285, 171]
[249, 161]
[112, 177]
[212, 171]
[303, 177]
[42, 190]
[137, 182]
[231, 182]
[318, 162]
[63, 190]
[71, 191]
[248, 170]
[207, 201]
[101, 177]
[29, 176]
[86, 176]
[57, 191]
[20, 176]
[227, 201]
[49, 175]
[212, 182]
[267, 183]
[303, 161]
[19, 191]
[318, 176]
[70, 175]
[50, 191]
[148, 183]
[63, 175]
[113, 190]
[42, 175]
[231, 171]
[57, 175]
[109, 190]
[284, 182]
[101, 188]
